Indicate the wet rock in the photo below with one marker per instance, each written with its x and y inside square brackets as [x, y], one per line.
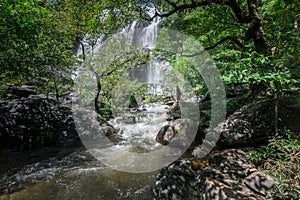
[179, 132]
[169, 100]
[93, 129]
[165, 134]
[174, 112]
[222, 175]
[169, 103]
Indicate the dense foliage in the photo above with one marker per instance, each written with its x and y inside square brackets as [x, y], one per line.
[38, 38]
[244, 51]
[251, 41]
[281, 159]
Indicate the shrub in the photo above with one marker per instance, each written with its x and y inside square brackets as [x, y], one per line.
[281, 159]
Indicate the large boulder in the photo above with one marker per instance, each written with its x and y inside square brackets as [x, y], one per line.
[222, 175]
[179, 132]
[37, 121]
[252, 124]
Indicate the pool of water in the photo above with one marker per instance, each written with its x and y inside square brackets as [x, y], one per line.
[74, 176]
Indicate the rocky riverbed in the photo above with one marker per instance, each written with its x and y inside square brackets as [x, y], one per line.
[42, 155]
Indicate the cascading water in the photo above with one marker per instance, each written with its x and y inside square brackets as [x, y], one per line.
[138, 122]
[79, 175]
[154, 72]
[140, 127]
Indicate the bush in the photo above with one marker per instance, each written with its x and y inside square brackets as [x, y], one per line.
[281, 159]
[3, 91]
[152, 99]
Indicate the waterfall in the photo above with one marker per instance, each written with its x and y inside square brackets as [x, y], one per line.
[140, 35]
[136, 126]
[153, 74]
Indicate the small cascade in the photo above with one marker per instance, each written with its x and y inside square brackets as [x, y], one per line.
[139, 129]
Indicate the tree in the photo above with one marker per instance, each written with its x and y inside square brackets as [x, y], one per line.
[251, 41]
[39, 37]
[239, 12]
[91, 20]
[33, 47]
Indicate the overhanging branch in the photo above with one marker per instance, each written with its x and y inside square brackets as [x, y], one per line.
[233, 4]
[235, 40]
[115, 65]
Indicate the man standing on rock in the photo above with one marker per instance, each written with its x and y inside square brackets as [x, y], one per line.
[178, 93]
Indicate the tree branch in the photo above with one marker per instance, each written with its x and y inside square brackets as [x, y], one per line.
[182, 7]
[254, 32]
[233, 4]
[235, 40]
[117, 65]
[240, 14]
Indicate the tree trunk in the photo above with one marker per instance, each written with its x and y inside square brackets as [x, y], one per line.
[97, 108]
[276, 118]
[260, 42]
[256, 31]
[98, 79]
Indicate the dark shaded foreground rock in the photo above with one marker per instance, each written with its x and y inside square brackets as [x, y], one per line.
[222, 175]
[37, 121]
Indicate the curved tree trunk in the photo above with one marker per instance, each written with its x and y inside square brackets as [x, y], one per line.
[97, 108]
[256, 32]
[98, 79]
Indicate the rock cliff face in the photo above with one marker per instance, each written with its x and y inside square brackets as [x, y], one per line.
[37, 121]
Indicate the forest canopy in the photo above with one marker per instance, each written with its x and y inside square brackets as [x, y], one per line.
[252, 41]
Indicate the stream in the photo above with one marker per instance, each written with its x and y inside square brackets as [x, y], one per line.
[74, 173]
[74, 176]
[60, 173]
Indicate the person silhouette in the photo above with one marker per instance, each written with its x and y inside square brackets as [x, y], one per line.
[178, 93]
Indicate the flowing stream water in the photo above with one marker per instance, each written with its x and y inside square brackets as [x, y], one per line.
[60, 173]
[74, 173]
